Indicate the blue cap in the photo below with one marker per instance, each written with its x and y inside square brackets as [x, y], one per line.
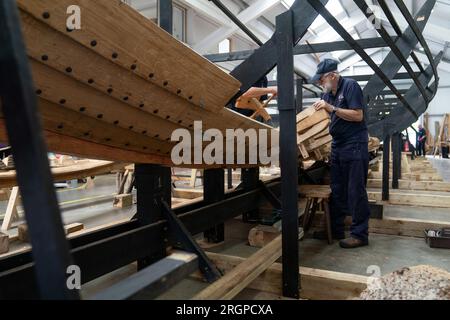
[325, 66]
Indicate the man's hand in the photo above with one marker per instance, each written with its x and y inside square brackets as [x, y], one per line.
[323, 105]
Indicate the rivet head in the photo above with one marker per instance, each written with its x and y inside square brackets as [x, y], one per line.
[46, 15]
[44, 57]
[93, 43]
[68, 69]
[115, 55]
[91, 81]
[133, 67]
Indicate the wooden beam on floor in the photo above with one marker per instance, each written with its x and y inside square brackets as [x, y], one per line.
[233, 282]
[394, 226]
[187, 193]
[414, 185]
[412, 199]
[316, 284]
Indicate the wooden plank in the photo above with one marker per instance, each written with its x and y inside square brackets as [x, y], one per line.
[81, 169]
[315, 191]
[73, 227]
[312, 120]
[316, 284]
[262, 235]
[4, 243]
[243, 274]
[187, 193]
[303, 151]
[412, 199]
[318, 128]
[123, 201]
[317, 143]
[414, 185]
[393, 226]
[153, 52]
[11, 209]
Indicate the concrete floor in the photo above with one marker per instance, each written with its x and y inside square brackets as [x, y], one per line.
[93, 207]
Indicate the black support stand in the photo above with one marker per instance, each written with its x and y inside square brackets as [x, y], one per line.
[153, 183]
[214, 191]
[299, 95]
[250, 180]
[50, 249]
[396, 159]
[288, 154]
[386, 156]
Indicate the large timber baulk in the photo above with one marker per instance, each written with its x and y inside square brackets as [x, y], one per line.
[117, 88]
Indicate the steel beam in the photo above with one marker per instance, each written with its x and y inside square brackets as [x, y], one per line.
[288, 154]
[322, 10]
[126, 243]
[263, 60]
[153, 280]
[50, 248]
[386, 156]
[303, 49]
[238, 22]
[214, 191]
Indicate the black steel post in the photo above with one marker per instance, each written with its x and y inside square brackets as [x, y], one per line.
[400, 150]
[288, 153]
[396, 158]
[153, 183]
[299, 95]
[230, 178]
[19, 104]
[165, 10]
[250, 179]
[238, 22]
[386, 156]
[214, 191]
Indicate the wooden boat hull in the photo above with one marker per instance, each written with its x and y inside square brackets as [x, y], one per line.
[118, 88]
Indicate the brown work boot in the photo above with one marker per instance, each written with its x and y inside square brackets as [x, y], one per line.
[351, 243]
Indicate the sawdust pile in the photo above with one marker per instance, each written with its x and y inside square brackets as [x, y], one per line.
[415, 283]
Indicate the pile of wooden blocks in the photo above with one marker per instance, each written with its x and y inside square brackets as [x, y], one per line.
[313, 137]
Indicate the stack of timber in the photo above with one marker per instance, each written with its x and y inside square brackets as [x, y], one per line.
[313, 137]
[420, 185]
[118, 88]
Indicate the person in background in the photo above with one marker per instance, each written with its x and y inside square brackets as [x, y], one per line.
[421, 141]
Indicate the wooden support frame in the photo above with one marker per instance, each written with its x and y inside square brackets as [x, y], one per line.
[11, 209]
[316, 284]
[242, 275]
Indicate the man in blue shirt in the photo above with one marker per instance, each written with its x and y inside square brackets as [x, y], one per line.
[343, 99]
